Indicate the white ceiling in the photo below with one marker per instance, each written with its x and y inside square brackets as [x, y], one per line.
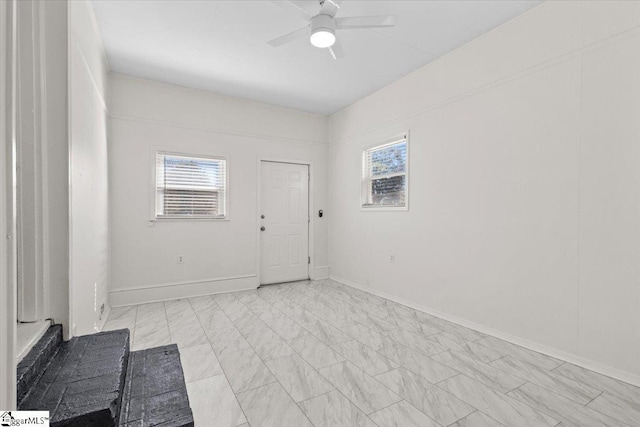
[221, 45]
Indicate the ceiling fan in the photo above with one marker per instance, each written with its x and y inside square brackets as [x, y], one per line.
[323, 24]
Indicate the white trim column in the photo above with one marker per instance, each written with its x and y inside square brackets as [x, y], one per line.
[7, 204]
[30, 137]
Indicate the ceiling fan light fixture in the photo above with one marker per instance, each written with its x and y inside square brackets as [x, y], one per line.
[323, 31]
[323, 37]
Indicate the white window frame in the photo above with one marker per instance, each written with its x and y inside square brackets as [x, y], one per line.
[365, 180]
[156, 217]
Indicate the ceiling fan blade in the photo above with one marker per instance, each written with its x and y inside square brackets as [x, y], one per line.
[330, 7]
[304, 11]
[305, 8]
[302, 32]
[336, 51]
[356, 22]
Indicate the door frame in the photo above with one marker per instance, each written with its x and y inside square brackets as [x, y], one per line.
[310, 224]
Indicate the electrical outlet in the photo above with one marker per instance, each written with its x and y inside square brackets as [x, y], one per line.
[180, 259]
[392, 258]
[368, 281]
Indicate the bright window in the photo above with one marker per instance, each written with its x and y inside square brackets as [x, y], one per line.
[190, 186]
[385, 181]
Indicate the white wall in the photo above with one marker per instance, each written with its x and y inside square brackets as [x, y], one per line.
[146, 116]
[525, 175]
[89, 218]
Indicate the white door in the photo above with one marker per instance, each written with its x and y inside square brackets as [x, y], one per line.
[284, 222]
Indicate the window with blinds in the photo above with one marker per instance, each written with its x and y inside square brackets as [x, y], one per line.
[384, 175]
[190, 187]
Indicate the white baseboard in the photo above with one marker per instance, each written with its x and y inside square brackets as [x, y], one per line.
[320, 273]
[598, 367]
[170, 291]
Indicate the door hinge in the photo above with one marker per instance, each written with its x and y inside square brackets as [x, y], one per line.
[308, 260]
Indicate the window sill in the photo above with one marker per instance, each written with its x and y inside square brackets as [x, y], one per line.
[384, 208]
[186, 219]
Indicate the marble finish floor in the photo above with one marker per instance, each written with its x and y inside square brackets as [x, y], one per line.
[324, 354]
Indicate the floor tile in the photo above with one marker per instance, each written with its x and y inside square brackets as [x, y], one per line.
[375, 322]
[360, 388]
[372, 362]
[245, 370]
[268, 313]
[199, 362]
[402, 414]
[149, 335]
[236, 312]
[203, 303]
[432, 370]
[286, 328]
[565, 410]
[486, 374]
[271, 350]
[414, 325]
[251, 325]
[477, 419]
[314, 351]
[600, 382]
[298, 378]
[334, 410]
[259, 337]
[213, 318]
[627, 412]
[541, 360]
[470, 348]
[151, 314]
[367, 336]
[325, 332]
[441, 406]
[227, 340]
[187, 336]
[499, 406]
[257, 305]
[213, 403]
[298, 313]
[271, 406]
[180, 313]
[127, 312]
[458, 330]
[417, 342]
[557, 383]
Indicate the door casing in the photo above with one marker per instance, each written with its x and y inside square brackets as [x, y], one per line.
[309, 163]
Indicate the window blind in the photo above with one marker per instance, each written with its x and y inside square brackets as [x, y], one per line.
[384, 175]
[190, 187]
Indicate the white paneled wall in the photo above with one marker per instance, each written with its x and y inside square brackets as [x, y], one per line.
[525, 167]
[219, 255]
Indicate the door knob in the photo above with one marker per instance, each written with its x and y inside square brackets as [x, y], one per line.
[262, 228]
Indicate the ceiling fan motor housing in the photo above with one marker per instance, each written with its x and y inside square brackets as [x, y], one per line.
[323, 23]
